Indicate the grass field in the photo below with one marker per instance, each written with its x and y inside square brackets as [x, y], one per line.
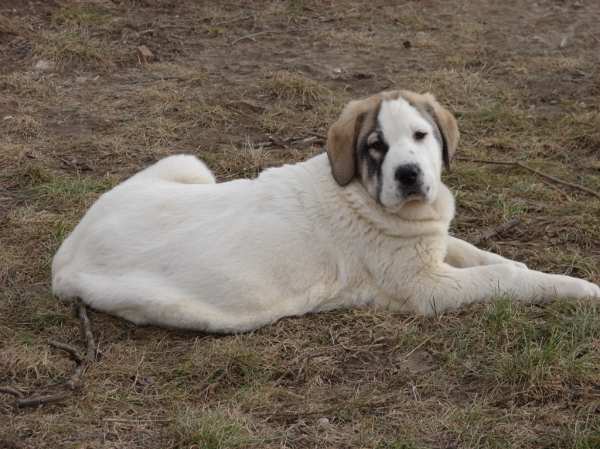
[80, 112]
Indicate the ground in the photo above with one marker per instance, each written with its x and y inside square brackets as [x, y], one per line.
[230, 82]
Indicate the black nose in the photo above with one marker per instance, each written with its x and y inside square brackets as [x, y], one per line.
[407, 174]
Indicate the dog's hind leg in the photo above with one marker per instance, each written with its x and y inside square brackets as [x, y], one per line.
[182, 168]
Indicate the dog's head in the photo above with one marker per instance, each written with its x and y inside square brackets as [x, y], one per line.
[396, 142]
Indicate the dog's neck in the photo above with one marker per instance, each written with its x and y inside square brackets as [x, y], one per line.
[409, 219]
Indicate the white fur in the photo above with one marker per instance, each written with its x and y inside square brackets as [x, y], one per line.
[170, 247]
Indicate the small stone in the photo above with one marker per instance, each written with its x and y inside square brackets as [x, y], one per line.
[322, 421]
[145, 54]
[42, 65]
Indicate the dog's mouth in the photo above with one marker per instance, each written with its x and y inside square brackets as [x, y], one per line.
[413, 196]
[404, 199]
[414, 193]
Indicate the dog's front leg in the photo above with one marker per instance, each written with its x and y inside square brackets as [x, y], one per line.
[447, 288]
[461, 254]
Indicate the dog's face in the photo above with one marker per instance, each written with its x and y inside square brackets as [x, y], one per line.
[396, 142]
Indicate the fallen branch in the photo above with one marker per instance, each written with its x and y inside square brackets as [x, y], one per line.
[562, 192]
[70, 385]
[80, 365]
[498, 230]
[533, 170]
[281, 142]
[92, 351]
[320, 136]
[252, 36]
[8, 390]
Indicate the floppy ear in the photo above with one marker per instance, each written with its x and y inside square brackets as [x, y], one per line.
[446, 122]
[341, 144]
[343, 136]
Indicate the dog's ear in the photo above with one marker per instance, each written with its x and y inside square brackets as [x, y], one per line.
[448, 127]
[343, 136]
[341, 144]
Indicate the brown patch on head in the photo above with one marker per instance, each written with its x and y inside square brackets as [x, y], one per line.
[441, 118]
[359, 117]
[342, 137]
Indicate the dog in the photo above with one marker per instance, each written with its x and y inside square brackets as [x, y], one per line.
[364, 224]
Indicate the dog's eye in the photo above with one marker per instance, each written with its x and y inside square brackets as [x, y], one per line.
[378, 146]
[420, 135]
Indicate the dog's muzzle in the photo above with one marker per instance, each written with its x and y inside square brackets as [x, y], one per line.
[410, 181]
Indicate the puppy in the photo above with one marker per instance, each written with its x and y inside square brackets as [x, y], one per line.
[365, 224]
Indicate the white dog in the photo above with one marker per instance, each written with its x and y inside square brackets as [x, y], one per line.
[365, 224]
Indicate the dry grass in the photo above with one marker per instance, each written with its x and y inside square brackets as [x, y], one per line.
[497, 375]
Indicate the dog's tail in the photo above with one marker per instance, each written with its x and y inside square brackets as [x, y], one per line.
[182, 168]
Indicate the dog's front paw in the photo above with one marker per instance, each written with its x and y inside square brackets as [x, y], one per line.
[579, 288]
[594, 290]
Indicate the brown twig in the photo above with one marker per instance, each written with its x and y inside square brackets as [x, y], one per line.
[92, 351]
[279, 142]
[320, 136]
[560, 181]
[70, 385]
[498, 230]
[594, 37]
[81, 364]
[533, 170]
[64, 161]
[8, 390]
[484, 161]
[252, 36]
[34, 402]
[562, 192]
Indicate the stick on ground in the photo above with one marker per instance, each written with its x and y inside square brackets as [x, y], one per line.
[251, 36]
[498, 230]
[92, 351]
[81, 364]
[8, 390]
[533, 170]
[311, 133]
